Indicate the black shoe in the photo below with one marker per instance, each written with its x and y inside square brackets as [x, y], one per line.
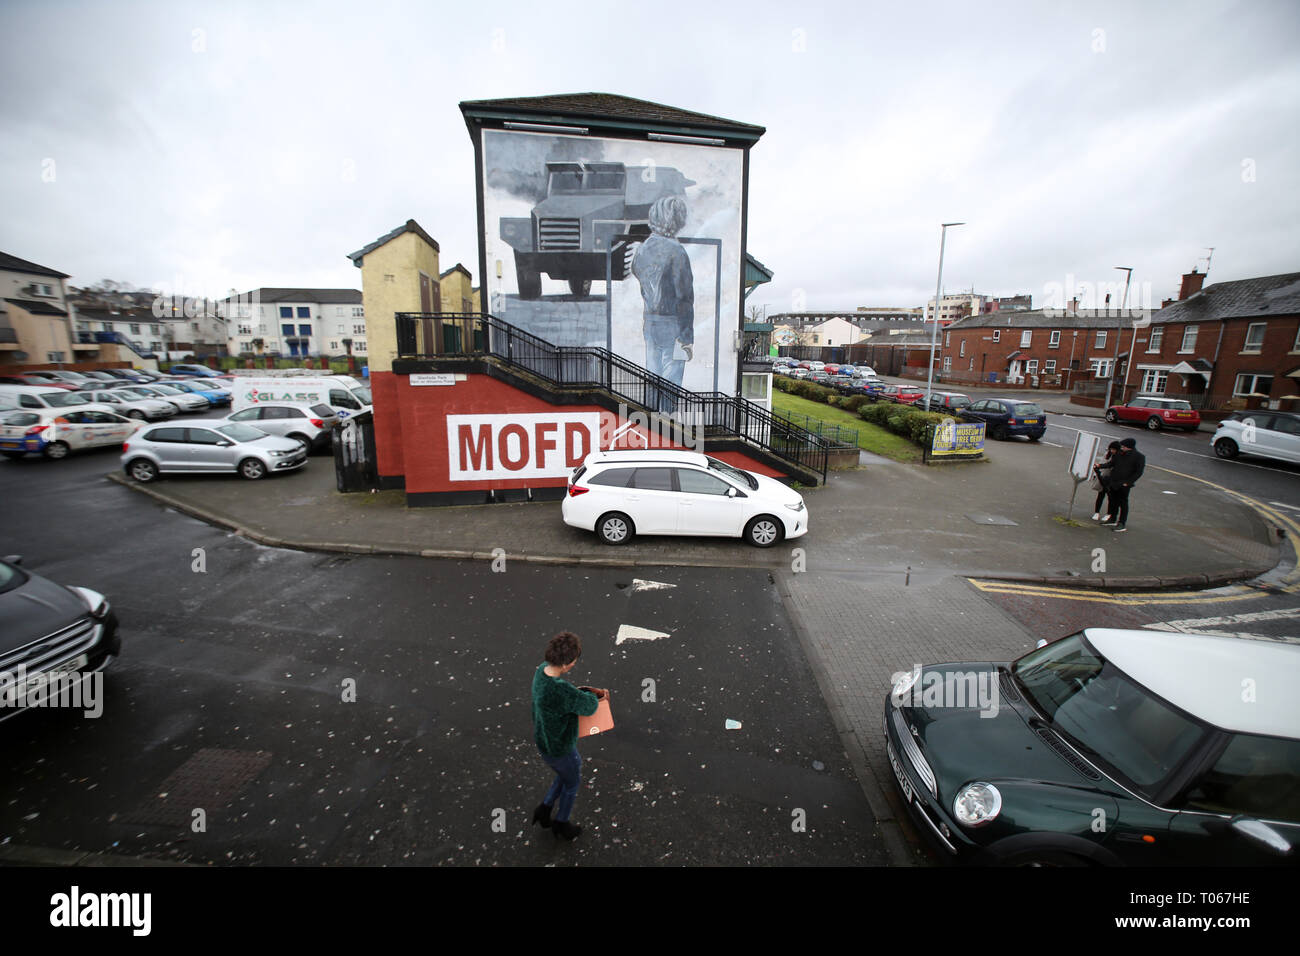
[1119, 527]
[563, 828]
[542, 815]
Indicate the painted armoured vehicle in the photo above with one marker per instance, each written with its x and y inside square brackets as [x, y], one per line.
[588, 207]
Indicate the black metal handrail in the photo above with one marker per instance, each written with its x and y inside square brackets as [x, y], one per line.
[434, 335]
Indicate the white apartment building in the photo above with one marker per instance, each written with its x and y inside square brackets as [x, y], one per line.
[955, 305]
[294, 323]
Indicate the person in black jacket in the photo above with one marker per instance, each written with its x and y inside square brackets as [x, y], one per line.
[1125, 468]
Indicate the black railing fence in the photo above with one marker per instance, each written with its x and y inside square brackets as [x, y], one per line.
[434, 335]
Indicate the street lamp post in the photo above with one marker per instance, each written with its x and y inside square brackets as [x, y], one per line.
[938, 297]
[1119, 328]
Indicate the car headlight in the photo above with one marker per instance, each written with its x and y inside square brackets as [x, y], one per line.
[904, 685]
[282, 454]
[96, 602]
[977, 804]
[796, 508]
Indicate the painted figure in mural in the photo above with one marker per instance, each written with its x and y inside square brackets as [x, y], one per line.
[663, 268]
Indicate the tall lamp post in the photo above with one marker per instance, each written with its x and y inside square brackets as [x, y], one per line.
[938, 298]
[1119, 328]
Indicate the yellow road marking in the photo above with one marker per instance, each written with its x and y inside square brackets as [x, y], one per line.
[1289, 584]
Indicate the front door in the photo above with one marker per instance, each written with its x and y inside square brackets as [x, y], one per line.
[1014, 373]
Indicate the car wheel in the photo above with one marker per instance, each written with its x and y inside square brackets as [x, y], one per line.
[1154, 424]
[142, 470]
[763, 531]
[15, 454]
[252, 469]
[614, 528]
[1111, 416]
[1226, 448]
[305, 442]
[56, 450]
[136, 414]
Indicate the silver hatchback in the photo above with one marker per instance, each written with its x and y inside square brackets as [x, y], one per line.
[228, 447]
[310, 424]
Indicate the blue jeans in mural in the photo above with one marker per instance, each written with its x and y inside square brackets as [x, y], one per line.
[564, 791]
[661, 333]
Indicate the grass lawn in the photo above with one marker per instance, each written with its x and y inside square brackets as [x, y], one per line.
[872, 438]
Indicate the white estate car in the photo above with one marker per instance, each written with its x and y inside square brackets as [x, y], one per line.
[618, 494]
[53, 432]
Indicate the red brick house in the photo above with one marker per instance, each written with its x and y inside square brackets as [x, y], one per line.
[1219, 347]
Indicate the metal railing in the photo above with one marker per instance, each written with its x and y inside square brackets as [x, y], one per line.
[434, 335]
[835, 434]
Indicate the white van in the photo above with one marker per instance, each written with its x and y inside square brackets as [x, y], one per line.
[342, 393]
[39, 396]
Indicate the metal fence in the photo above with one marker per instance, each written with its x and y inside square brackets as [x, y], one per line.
[433, 335]
[837, 435]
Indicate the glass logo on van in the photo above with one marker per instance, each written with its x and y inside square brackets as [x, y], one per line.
[256, 396]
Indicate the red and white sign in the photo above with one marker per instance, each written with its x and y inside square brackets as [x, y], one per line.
[541, 445]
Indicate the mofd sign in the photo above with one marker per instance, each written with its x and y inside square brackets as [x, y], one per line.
[542, 445]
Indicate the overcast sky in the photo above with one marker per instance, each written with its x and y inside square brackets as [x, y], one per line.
[211, 146]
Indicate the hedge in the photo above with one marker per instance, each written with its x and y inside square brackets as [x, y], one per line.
[903, 420]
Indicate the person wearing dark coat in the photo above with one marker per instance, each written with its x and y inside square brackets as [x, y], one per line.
[1122, 472]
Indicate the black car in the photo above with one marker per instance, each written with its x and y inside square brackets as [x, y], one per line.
[1005, 417]
[48, 629]
[1108, 747]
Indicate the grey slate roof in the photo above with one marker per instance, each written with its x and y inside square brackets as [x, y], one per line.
[319, 296]
[576, 106]
[409, 226]
[14, 264]
[36, 308]
[1245, 298]
[1043, 319]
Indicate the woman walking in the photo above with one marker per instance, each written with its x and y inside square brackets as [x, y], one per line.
[1099, 483]
[557, 704]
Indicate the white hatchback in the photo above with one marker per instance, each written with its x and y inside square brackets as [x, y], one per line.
[619, 494]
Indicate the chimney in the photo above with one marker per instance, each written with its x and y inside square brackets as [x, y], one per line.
[1191, 284]
[1166, 303]
[1074, 306]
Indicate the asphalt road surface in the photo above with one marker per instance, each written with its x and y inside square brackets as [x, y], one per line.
[229, 699]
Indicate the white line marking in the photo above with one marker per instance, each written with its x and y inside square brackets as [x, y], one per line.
[629, 632]
[1052, 443]
[1283, 504]
[639, 584]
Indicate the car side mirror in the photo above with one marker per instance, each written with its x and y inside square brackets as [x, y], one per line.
[225, 444]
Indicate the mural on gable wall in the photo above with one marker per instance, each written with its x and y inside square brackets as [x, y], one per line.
[628, 245]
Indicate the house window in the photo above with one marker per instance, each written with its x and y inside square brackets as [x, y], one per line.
[334, 346]
[359, 346]
[359, 329]
[1189, 339]
[287, 330]
[154, 329]
[1031, 367]
[304, 330]
[1157, 339]
[997, 335]
[304, 312]
[1248, 383]
[1049, 367]
[245, 330]
[286, 312]
[106, 326]
[135, 328]
[963, 348]
[54, 357]
[1255, 337]
[1025, 338]
[338, 310]
[245, 346]
[1100, 367]
[1055, 341]
[1296, 345]
[947, 363]
[44, 289]
[1154, 381]
[1101, 339]
[947, 340]
[358, 312]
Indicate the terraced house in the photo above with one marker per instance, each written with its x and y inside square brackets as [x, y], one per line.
[1228, 345]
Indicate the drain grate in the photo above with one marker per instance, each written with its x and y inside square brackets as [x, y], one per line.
[210, 779]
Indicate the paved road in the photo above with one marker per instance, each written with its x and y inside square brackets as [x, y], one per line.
[229, 698]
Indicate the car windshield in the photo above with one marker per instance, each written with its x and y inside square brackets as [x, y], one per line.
[1091, 703]
[239, 432]
[168, 390]
[363, 395]
[63, 399]
[1026, 410]
[736, 473]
